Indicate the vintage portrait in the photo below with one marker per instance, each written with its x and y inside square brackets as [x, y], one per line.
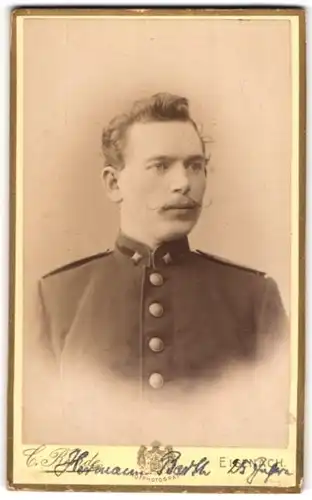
[157, 161]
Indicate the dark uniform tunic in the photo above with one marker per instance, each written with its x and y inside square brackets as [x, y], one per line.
[156, 323]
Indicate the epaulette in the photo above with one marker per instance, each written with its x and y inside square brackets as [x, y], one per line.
[226, 262]
[78, 263]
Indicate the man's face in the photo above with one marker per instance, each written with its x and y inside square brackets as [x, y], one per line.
[163, 182]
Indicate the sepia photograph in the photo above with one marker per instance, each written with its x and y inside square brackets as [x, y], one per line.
[157, 223]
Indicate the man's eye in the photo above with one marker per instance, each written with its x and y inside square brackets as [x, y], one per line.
[196, 165]
[161, 165]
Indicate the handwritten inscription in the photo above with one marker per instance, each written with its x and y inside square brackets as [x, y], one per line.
[59, 461]
[73, 460]
[259, 466]
[171, 465]
[64, 460]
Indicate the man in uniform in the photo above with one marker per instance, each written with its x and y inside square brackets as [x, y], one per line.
[152, 319]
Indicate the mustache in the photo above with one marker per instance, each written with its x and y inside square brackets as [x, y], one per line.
[184, 202]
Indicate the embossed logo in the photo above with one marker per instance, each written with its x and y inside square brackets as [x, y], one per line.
[150, 461]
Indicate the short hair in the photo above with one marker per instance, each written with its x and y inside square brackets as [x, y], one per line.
[161, 107]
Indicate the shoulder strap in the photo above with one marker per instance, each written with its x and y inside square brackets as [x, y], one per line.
[226, 262]
[78, 263]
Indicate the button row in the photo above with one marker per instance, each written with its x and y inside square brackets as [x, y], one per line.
[156, 380]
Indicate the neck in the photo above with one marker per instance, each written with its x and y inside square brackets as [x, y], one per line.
[147, 239]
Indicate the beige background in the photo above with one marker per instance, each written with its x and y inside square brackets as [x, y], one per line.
[79, 73]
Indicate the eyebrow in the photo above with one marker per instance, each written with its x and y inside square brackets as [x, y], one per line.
[196, 157]
[168, 157]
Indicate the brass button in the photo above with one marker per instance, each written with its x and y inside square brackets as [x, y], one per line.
[156, 279]
[156, 381]
[156, 310]
[156, 344]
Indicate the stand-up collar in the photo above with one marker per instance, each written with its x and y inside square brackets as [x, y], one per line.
[165, 254]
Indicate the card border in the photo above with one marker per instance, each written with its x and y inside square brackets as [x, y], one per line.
[300, 13]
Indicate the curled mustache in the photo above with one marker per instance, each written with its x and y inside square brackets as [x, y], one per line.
[185, 202]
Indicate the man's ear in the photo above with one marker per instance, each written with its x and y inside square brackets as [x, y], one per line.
[110, 178]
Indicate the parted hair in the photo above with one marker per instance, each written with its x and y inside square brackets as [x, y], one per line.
[160, 107]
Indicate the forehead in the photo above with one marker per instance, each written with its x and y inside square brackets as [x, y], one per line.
[145, 140]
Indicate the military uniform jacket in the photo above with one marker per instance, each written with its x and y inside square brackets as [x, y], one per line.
[136, 337]
[158, 318]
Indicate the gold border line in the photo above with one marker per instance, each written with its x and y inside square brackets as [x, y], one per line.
[154, 12]
[12, 243]
[302, 250]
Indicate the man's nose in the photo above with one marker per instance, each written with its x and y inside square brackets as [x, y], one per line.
[180, 181]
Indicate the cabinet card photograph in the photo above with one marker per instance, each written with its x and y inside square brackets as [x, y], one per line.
[157, 250]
